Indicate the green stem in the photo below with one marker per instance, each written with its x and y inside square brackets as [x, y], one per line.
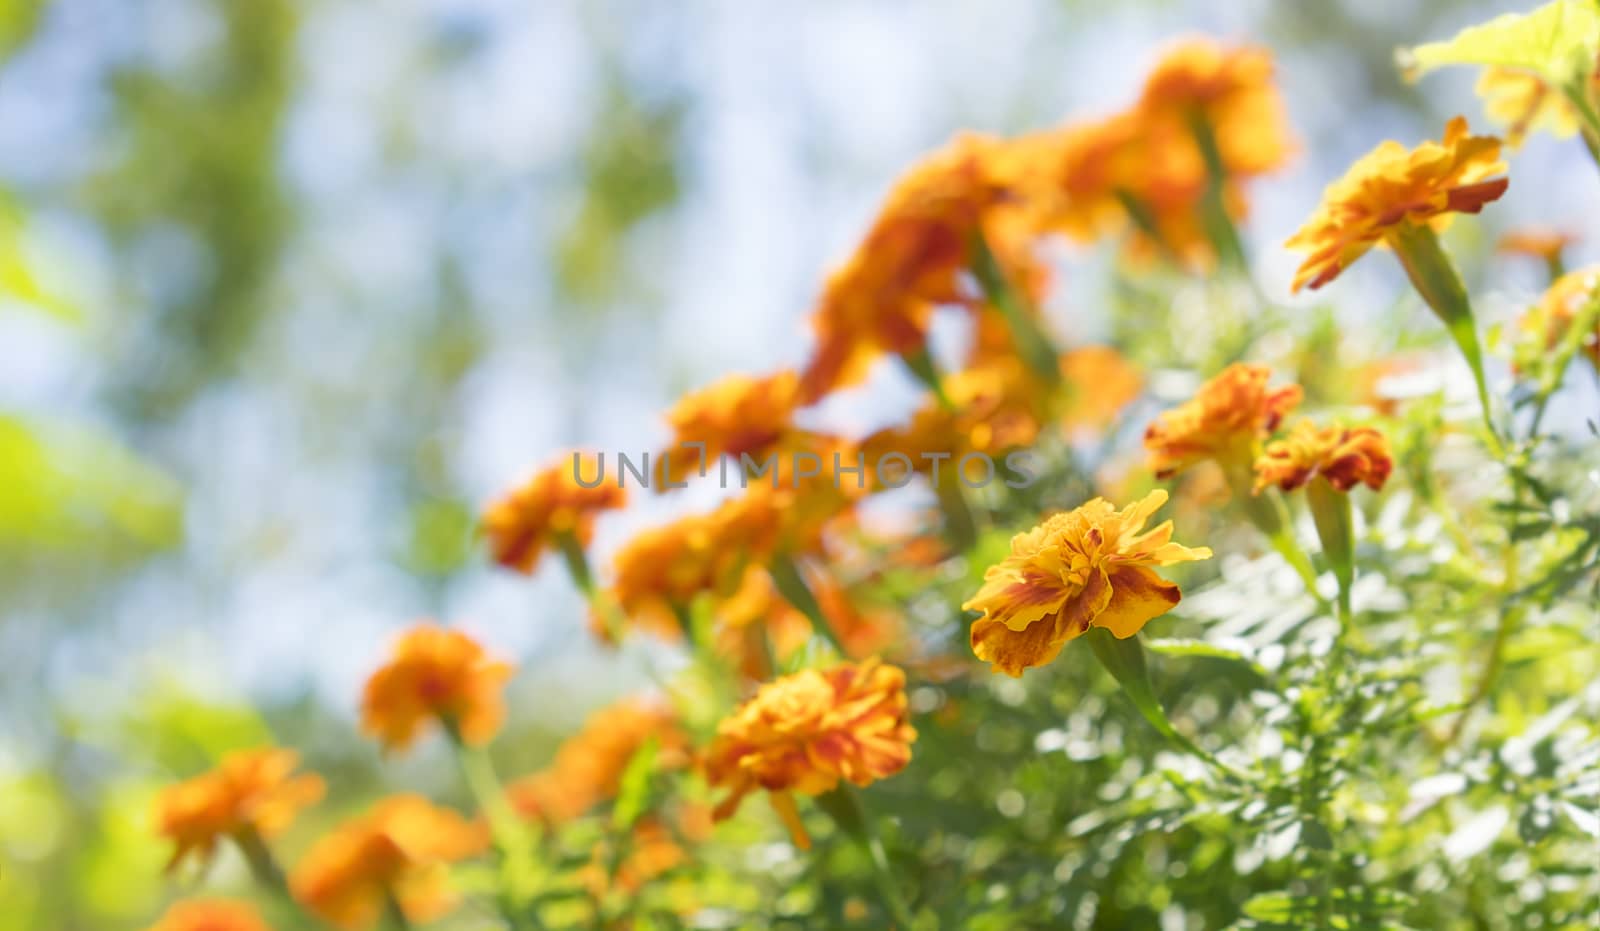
[263, 866]
[961, 527]
[1269, 515]
[844, 806]
[513, 845]
[1435, 278]
[1033, 344]
[1332, 513]
[1124, 659]
[577, 563]
[1220, 228]
[393, 914]
[920, 364]
[1591, 129]
[792, 586]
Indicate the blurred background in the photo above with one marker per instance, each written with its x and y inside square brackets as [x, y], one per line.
[289, 289]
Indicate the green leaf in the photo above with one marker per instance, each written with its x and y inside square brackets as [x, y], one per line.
[1203, 648]
[1558, 42]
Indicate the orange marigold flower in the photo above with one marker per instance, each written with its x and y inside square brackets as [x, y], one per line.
[910, 261]
[211, 915]
[588, 767]
[806, 731]
[1225, 421]
[1549, 321]
[1523, 102]
[1232, 89]
[252, 794]
[1345, 456]
[435, 674]
[1392, 186]
[1089, 567]
[400, 849]
[735, 416]
[523, 524]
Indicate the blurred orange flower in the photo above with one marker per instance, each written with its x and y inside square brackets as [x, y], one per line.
[1231, 89]
[1224, 421]
[1548, 322]
[399, 851]
[910, 261]
[735, 416]
[250, 792]
[1345, 456]
[1536, 242]
[1089, 567]
[806, 731]
[211, 915]
[1087, 180]
[1100, 383]
[588, 767]
[435, 674]
[523, 524]
[1392, 186]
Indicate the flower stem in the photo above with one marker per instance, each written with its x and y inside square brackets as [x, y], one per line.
[1266, 511]
[1124, 659]
[263, 866]
[1333, 515]
[577, 563]
[513, 845]
[1220, 228]
[921, 364]
[844, 806]
[393, 914]
[792, 586]
[1033, 344]
[1435, 278]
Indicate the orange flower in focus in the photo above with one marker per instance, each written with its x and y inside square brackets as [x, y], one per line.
[435, 674]
[911, 260]
[1100, 383]
[806, 731]
[211, 915]
[252, 794]
[1523, 102]
[1345, 456]
[400, 849]
[1392, 186]
[588, 767]
[1548, 322]
[1224, 421]
[523, 524]
[735, 416]
[1088, 567]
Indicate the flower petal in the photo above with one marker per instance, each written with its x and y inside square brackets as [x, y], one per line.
[1137, 595]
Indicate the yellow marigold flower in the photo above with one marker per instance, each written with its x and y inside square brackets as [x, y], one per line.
[807, 731]
[911, 260]
[251, 792]
[1392, 186]
[1089, 567]
[1522, 102]
[735, 416]
[435, 674]
[1224, 421]
[523, 524]
[400, 849]
[1345, 456]
[211, 915]
[1549, 321]
[588, 767]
